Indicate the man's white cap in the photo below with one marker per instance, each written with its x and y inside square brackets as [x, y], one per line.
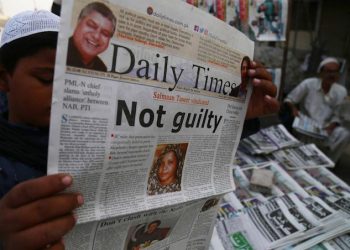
[28, 23]
[326, 61]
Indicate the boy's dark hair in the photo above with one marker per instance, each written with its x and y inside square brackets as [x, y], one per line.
[26, 46]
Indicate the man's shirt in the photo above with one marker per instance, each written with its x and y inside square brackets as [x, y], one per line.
[312, 100]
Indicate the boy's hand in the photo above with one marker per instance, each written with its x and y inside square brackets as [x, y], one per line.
[35, 215]
[262, 101]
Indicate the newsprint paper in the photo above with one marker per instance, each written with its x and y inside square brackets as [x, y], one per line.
[154, 121]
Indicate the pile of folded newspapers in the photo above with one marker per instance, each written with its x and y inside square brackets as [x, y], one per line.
[277, 144]
[305, 206]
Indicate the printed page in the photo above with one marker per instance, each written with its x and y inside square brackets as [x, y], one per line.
[306, 125]
[183, 226]
[268, 140]
[149, 102]
[330, 180]
[302, 157]
[311, 185]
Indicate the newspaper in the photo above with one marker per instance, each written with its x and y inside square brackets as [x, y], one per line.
[337, 231]
[227, 210]
[167, 88]
[280, 136]
[268, 140]
[330, 212]
[246, 160]
[312, 226]
[341, 242]
[183, 226]
[311, 185]
[331, 181]
[240, 233]
[304, 156]
[307, 126]
[283, 183]
[263, 227]
[244, 197]
[313, 198]
[341, 204]
[215, 242]
[279, 223]
[300, 199]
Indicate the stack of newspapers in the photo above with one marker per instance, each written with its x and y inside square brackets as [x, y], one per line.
[304, 156]
[268, 140]
[275, 143]
[308, 206]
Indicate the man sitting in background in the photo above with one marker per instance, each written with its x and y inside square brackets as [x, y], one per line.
[317, 97]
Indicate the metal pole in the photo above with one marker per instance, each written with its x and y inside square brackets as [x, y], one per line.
[285, 52]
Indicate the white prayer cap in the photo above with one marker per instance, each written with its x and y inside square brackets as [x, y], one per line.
[28, 23]
[326, 61]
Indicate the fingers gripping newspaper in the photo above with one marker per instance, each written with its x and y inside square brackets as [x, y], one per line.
[148, 106]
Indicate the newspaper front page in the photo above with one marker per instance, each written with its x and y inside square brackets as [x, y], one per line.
[156, 127]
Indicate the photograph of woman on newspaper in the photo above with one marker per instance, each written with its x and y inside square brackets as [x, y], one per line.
[166, 172]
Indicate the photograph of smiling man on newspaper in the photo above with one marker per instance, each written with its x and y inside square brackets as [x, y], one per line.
[95, 26]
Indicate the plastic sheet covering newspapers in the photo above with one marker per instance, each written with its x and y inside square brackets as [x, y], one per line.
[169, 88]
